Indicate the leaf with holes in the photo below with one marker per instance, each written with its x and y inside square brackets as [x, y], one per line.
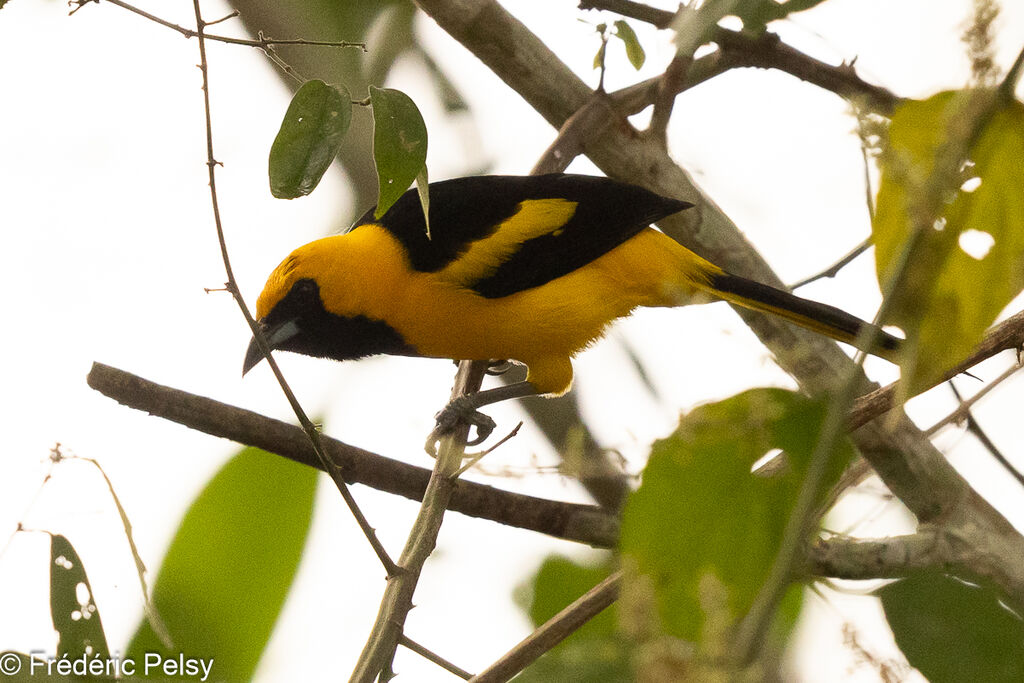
[954, 631]
[968, 262]
[702, 524]
[399, 145]
[74, 613]
[309, 138]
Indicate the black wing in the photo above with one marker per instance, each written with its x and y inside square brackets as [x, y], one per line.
[467, 211]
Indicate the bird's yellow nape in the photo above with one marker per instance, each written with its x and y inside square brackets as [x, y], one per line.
[278, 284]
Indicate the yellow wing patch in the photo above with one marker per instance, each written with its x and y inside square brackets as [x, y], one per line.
[534, 218]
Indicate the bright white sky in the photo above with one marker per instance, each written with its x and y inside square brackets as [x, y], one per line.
[109, 242]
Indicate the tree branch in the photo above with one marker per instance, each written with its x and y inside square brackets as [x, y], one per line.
[553, 631]
[375, 661]
[841, 557]
[996, 556]
[766, 51]
[914, 471]
[1007, 335]
[570, 521]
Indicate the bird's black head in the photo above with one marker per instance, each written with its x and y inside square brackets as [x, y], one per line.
[300, 323]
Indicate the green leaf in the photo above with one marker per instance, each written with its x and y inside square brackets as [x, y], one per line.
[558, 583]
[954, 631]
[702, 520]
[72, 608]
[634, 51]
[757, 13]
[970, 265]
[231, 563]
[595, 652]
[423, 190]
[309, 138]
[399, 144]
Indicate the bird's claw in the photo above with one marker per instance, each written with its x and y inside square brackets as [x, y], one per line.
[458, 411]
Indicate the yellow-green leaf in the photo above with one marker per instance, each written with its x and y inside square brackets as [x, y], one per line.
[968, 264]
[634, 51]
[599, 56]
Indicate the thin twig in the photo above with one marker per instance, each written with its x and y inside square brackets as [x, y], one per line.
[473, 459]
[963, 412]
[149, 607]
[314, 436]
[411, 644]
[834, 269]
[553, 631]
[226, 17]
[869, 200]
[1007, 335]
[262, 43]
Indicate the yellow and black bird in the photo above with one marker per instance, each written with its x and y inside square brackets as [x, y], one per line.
[527, 268]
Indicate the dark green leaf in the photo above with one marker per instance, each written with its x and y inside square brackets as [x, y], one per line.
[954, 631]
[399, 144]
[950, 292]
[634, 51]
[309, 138]
[701, 515]
[231, 563]
[558, 583]
[74, 613]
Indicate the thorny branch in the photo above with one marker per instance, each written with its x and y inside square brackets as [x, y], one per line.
[307, 425]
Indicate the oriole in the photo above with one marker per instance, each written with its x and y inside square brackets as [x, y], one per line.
[531, 269]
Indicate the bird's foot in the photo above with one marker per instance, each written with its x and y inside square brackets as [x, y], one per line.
[459, 410]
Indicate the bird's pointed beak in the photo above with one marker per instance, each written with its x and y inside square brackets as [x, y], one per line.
[276, 335]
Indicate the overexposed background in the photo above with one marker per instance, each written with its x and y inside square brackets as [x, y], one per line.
[108, 243]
